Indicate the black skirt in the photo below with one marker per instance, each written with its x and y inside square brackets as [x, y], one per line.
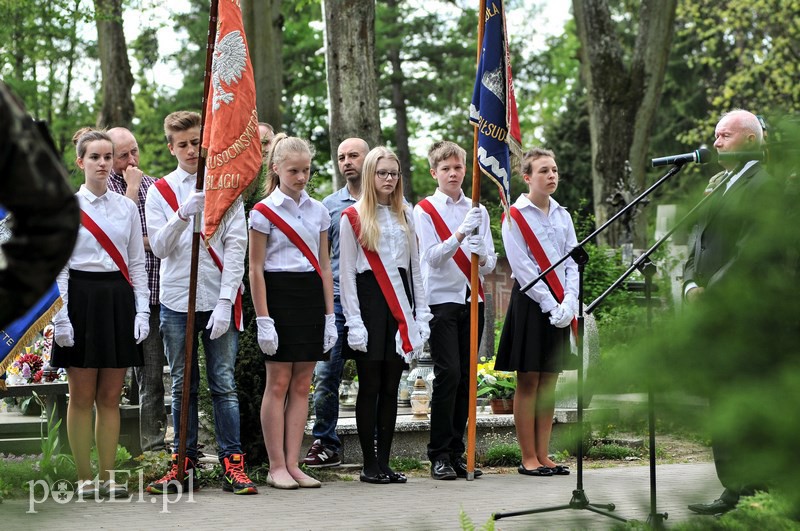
[296, 302]
[378, 320]
[102, 309]
[529, 343]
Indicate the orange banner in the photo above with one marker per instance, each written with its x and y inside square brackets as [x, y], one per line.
[230, 134]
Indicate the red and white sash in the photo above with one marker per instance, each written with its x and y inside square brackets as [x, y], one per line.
[444, 232]
[391, 285]
[293, 230]
[105, 234]
[543, 258]
[169, 196]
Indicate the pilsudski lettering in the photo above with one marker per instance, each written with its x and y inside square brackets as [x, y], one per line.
[492, 130]
[222, 182]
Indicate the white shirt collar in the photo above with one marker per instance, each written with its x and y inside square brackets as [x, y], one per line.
[279, 197]
[444, 198]
[89, 196]
[523, 202]
[184, 175]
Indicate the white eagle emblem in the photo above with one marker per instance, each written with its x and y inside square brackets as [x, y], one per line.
[228, 63]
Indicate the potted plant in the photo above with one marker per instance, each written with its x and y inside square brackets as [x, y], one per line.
[498, 386]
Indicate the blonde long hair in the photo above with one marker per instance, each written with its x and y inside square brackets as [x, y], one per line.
[282, 146]
[368, 204]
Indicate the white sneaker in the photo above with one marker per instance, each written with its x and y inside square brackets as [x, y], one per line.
[112, 489]
[87, 488]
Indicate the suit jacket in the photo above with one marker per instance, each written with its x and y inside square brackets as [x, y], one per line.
[723, 228]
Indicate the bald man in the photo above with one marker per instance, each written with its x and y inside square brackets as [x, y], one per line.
[326, 451]
[127, 179]
[719, 236]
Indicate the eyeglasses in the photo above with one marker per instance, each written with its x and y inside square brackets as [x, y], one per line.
[386, 175]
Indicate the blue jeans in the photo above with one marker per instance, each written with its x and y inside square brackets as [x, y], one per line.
[327, 378]
[220, 356]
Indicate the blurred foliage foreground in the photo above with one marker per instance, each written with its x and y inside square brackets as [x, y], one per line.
[738, 345]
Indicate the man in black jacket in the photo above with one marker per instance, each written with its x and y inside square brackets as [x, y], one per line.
[721, 235]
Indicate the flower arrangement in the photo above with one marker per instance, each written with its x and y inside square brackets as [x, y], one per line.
[495, 384]
[32, 365]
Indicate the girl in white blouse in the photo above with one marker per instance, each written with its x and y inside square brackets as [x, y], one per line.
[106, 313]
[292, 291]
[535, 337]
[384, 304]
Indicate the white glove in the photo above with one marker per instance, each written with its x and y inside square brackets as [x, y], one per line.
[331, 334]
[141, 326]
[471, 221]
[424, 330]
[571, 302]
[357, 337]
[64, 336]
[267, 336]
[477, 245]
[561, 317]
[220, 319]
[193, 205]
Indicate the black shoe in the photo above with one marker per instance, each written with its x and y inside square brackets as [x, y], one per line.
[540, 471]
[442, 469]
[716, 507]
[460, 466]
[378, 479]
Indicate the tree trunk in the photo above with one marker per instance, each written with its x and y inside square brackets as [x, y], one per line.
[623, 99]
[263, 24]
[117, 107]
[399, 106]
[352, 75]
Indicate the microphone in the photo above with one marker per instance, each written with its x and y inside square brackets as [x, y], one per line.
[700, 156]
[741, 156]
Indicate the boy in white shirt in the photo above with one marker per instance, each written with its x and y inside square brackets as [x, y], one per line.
[171, 203]
[445, 222]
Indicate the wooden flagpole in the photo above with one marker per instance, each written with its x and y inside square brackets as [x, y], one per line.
[473, 310]
[190, 313]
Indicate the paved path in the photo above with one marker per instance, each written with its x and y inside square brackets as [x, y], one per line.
[421, 504]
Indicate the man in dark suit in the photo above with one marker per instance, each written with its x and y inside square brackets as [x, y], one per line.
[721, 234]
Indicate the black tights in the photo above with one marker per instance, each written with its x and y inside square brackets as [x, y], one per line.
[377, 407]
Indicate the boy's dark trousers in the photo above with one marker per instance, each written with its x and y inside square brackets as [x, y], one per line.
[449, 344]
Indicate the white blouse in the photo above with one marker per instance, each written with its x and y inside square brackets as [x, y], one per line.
[88, 255]
[555, 226]
[405, 255]
[282, 254]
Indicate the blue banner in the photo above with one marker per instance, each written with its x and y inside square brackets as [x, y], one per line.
[17, 335]
[493, 110]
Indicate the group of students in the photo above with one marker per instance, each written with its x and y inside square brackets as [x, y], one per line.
[362, 276]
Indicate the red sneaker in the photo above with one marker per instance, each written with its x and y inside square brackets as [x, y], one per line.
[235, 479]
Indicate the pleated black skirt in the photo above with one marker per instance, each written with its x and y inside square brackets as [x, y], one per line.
[297, 304]
[528, 342]
[378, 319]
[101, 308]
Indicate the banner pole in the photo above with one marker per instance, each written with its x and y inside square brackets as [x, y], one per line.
[197, 228]
[474, 258]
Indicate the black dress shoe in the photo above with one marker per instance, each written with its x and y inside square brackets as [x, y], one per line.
[378, 479]
[460, 466]
[397, 477]
[716, 507]
[540, 471]
[442, 469]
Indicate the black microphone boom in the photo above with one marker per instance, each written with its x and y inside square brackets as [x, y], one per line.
[700, 156]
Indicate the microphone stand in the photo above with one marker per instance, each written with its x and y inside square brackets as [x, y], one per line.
[648, 269]
[579, 500]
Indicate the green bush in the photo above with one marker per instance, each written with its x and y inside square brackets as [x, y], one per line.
[502, 454]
